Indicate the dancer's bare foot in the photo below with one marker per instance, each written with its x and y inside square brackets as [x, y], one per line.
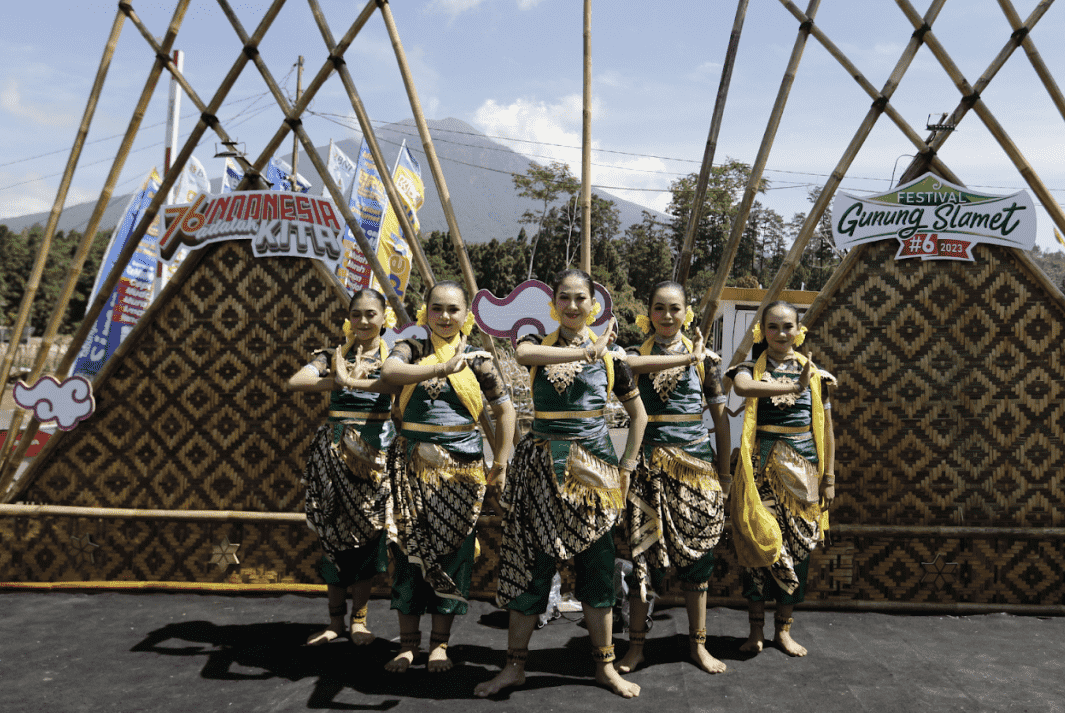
[401, 662]
[756, 639]
[608, 676]
[512, 676]
[408, 648]
[333, 631]
[784, 641]
[438, 659]
[360, 634]
[701, 656]
[633, 657]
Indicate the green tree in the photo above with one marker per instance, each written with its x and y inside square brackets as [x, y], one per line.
[645, 249]
[544, 184]
[725, 187]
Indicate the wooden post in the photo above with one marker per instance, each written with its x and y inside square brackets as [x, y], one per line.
[709, 303]
[34, 282]
[794, 256]
[296, 126]
[378, 156]
[684, 260]
[586, 146]
[9, 461]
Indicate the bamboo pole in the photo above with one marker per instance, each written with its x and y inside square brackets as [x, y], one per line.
[9, 461]
[586, 146]
[711, 299]
[972, 96]
[914, 169]
[1033, 54]
[295, 141]
[684, 260]
[30, 290]
[378, 156]
[794, 256]
[36, 511]
[296, 124]
[434, 164]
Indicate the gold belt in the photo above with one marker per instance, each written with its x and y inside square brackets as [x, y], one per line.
[786, 430]
[433, 428]
[551, 415]
[361, 415]
[675, 418]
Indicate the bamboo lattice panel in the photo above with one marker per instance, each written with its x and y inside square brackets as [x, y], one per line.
[949, 409]
[196, 416]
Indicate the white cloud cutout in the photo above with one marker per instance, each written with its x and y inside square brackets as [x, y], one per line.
[67, 403]
[12, 102]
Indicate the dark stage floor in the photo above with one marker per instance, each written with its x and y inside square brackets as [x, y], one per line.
[65, 652]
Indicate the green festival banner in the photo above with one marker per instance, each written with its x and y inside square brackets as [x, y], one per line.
[933, 219]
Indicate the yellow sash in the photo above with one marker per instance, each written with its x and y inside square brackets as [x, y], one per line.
[551, 339]
[464, 382]
[757, 535]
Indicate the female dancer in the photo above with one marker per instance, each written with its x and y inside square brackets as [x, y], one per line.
[347, 488]
[787, 465]
[566, 490]
[676, 506]
[437, 469]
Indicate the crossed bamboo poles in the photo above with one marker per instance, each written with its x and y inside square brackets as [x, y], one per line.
[10, 455]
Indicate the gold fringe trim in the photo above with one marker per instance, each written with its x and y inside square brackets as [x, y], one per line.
[591, 481]
[811, 512]
[686, 468]
[433, 464]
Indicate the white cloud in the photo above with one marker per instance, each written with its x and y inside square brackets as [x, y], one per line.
[12, 102]
[453, 7]
[528, 4]
[33, 194]
[705, 72]
[551, 131]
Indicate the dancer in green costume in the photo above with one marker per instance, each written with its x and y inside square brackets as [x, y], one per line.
[347, 488]
[785, 477]
[676, 506]
[437, 469]
[566, 489]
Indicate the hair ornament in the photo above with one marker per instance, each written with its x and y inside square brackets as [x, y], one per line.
[689, 315]
[802, 336]
[554, 312]
[643, 323]
[467, 324]
[419, 317]
[756, 333]
[596, 309]
[390, 317]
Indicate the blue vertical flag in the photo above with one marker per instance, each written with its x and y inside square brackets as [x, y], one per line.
[134, 291]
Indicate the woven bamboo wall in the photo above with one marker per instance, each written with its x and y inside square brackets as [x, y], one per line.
[949, 409]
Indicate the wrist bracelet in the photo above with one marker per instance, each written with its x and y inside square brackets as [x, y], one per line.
[589, 352]
[628, 464]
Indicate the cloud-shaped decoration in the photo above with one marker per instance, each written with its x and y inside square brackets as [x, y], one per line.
[67, 403]
[407, 331]
[527, 310]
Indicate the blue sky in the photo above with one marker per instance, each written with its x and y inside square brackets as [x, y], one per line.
[512, 69]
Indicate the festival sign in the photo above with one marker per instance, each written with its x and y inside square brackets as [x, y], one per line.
[277, 223]
[933, 219]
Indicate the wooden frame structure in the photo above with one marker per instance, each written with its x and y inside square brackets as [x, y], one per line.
[878, 559]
